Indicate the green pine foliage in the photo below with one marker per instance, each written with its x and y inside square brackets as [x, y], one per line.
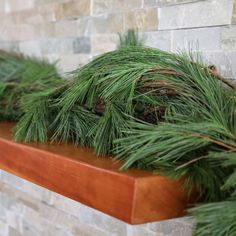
[130, 38]
[160, 111]
[107, 84]
[219, 218]
[24, 83]
[152, 109]
[200, 118]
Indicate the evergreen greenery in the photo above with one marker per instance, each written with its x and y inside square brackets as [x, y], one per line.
[130, 38]
[20, 76]
[155, 110]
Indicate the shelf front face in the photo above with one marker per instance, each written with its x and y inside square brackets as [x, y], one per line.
[133, 196]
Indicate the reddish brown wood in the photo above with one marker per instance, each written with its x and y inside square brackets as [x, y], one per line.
[133, 196]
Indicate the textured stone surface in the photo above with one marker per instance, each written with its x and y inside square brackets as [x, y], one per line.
[229, 38]
[24, 213]
[18, 32]
[161, 40]
[124, 5]
[75, 31]
[143, 20]
[64, 29]
[72, 10]
[81, 45]
[204, 39]
[173, 227]
[111, 23]
[9, 46]
[69, 62]
[234, 13]
[3, 228]
[166, 2]
[2, 6]
[101, 7]
[16, 5]
[225, 62]
[66, 45]
[30, 48]
[101, 43]
[196, 14]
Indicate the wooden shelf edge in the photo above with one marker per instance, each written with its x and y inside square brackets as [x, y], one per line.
[133, 196]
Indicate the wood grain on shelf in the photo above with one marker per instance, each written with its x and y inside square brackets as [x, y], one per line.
[133, 196]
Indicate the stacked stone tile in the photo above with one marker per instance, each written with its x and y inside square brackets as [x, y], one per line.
[75, 31]
[29, 210]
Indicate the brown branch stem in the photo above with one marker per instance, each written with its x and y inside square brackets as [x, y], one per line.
[220, 143]
[191, 161]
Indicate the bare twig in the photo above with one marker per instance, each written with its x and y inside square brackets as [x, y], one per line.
[191, 161]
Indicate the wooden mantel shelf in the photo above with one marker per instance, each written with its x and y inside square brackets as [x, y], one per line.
[133, 196]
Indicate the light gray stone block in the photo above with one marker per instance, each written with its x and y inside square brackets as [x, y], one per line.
[159, 39]
[72, 10]
[81, 45]
[2, 6]
[27, 215]
[84, 26]
[101, 7]
[151, 3]
[18, 32]
[124, 5]
[101, 43]
[59, 232]
[100, 220]
[3, 214]
[67, 62]
[143, 20]
[12, 179]
[37, 192]
[65, 28]
[66, 205]
[203, 39]
[3, 229]
[16, 5]
[225, 62]
[26, 193]
[65, 45]
[51, 46]
[196, 14]
[174, 227]
[13, 232]
[229, 38]
[12, 46]
[47, 218]
[111, 23]
[9, 203]
[31, 48]
[141, 230]
[30, 230]
[234, 14]
[89, 230]
[14, 220]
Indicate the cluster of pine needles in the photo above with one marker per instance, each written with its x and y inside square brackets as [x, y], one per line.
[156, 110]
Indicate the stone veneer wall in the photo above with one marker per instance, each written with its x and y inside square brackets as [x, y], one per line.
[29, 210]
[74, 32]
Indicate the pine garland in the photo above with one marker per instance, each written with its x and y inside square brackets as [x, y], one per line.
[156, 110]
[21, 76]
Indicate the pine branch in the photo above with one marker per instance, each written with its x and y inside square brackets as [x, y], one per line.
[156, 110]
[216, 218]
